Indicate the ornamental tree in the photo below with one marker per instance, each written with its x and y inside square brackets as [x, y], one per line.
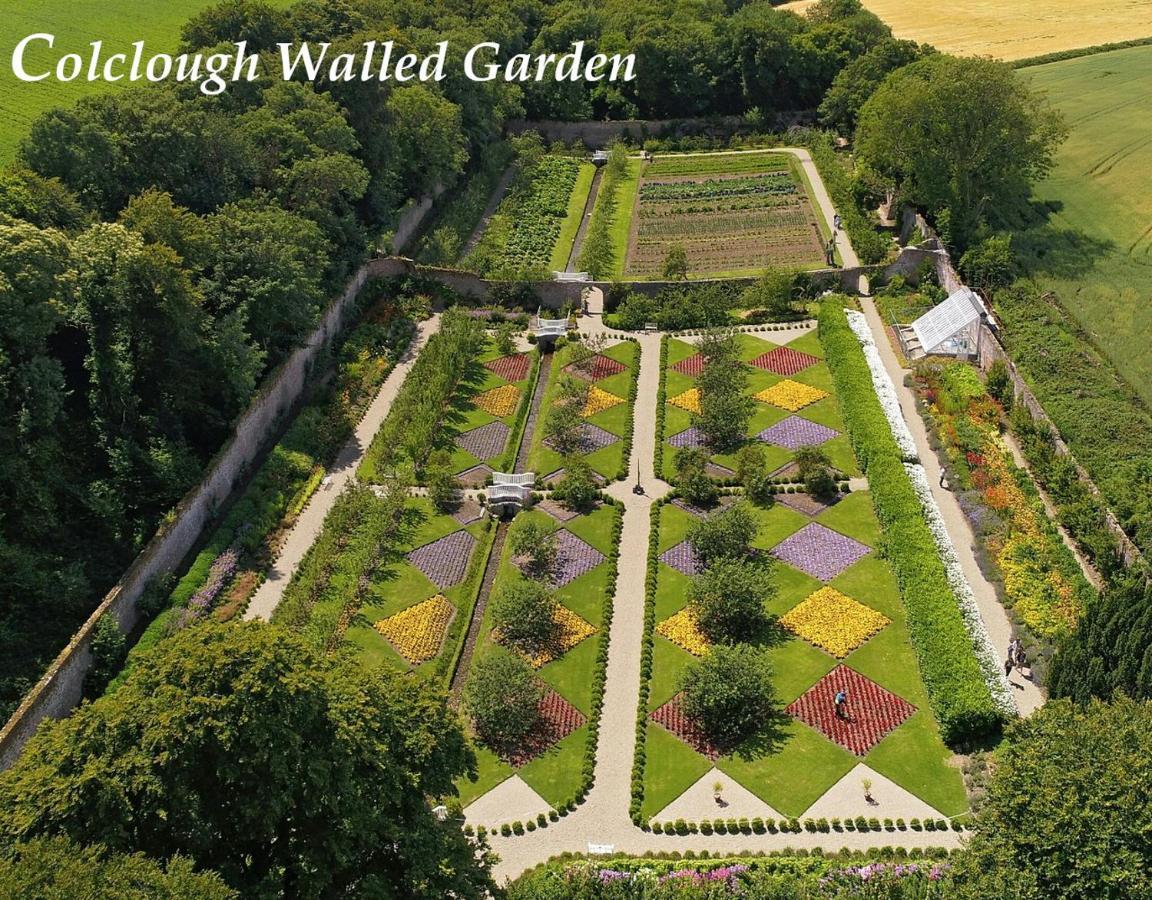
[692, 479]
[578, 489]
[728, 598]
[242, 747]
[503, 697]
[724, 535]
[535, 542]
[729, 693]
[525, 614]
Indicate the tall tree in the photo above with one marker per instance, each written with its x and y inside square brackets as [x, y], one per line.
[960, 136]
[287, 771]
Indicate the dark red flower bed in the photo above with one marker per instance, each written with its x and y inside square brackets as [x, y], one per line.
[872, 711]
[560, 717]
[510, 368]
[785, 361]
[693, 365]
[596, 368]
[672, 717]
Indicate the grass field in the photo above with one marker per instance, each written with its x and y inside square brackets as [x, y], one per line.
[116, 22]
[1089, 236]
[1011, 30]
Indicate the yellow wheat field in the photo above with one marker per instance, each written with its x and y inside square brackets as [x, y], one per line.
[1011, 30]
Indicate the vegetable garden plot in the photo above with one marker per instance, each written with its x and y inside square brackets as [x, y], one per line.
[728, 214]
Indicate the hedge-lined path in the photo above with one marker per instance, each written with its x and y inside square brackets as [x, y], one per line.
[582, 231]
[311, 519]
[1026, 693]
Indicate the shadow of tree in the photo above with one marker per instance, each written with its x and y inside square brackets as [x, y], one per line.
[1045, 247]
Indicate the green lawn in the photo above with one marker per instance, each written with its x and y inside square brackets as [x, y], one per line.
[1089, 238]
[116, 22]
[824, 412]
[622, 221]
[608, 461]
[571, 224]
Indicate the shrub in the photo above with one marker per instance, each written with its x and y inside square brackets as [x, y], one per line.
[752, 473]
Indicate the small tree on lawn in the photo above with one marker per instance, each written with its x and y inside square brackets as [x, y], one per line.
[692, 480]
[536, 544]
[525, 614]
[752, 472]
[728, 598]
[564, 422]
[443, 488]
[676, 263]
[503, 697]
[724, 535]
[578, 489]
[505, 338]
[725, 408]
[773, 292]
[728, 693]
[816, 472]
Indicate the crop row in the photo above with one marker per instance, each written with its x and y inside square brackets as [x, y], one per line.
[657, 209]
[715, 187]
[741, 224]
[717, 163]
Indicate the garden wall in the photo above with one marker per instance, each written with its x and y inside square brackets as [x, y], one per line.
[596, 135]
[61, 687]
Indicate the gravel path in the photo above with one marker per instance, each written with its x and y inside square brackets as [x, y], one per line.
[311, 518]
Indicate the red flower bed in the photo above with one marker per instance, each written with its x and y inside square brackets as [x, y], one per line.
[672, 717]
[596, 368]
[784, 361]
[693, 365]
[561, 718]
[510, 368]
[872, 711]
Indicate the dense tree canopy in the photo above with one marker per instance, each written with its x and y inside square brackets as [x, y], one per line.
[255, 755]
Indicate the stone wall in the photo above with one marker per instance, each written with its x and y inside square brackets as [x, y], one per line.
[596, 135]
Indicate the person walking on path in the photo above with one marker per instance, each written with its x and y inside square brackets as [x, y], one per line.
[840, 702]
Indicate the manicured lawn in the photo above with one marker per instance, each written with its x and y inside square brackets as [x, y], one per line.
[622, 221]
[571, 224]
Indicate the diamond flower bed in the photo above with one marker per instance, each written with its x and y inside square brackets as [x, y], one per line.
[417, 632]
[510, 368]
[689, 400]
[672, 717]
[445, 561]
[872, 711]
[596, 368]
[689, 437]
[499, 402]
[819, 551]
[486, 441]
[682, 558]
[693, 365]
[561, 718]
[599, 400]
[571, 629]
[796, 432]
[833, 621]
[785, 361]
[791, 395]
[684, 631]
[556, 510]
[574, 557]
[592, 438]
[475, 476]
[806, 503]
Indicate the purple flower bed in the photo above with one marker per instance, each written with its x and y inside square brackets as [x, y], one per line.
[682, 558]
[592, 438]
[689, 437]
[574, 557]
[796, 432]
[445, 561]
[219, 575]
[486, 441]
[819, 551]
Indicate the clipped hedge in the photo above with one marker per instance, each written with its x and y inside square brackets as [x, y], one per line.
[633, 387]
[646, 650]
[960, 699]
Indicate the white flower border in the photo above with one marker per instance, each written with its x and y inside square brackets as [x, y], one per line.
[885, 390]
[986, 654]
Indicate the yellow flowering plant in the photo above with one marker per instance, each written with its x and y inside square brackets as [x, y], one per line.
[570, 630]
[791, 395]
[833, 621]
[689, 400]
[683, 630]
[418, 631]
[499, 402]
[599, 400]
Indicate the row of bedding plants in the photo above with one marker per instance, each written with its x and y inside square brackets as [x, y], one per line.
[232, 565]
[965, 696]
[1042, 584]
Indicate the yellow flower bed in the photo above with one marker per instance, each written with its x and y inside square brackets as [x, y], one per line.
[833, 621]
[600, 400]
[418, 631]
[499, 402]
[571, 629]
[684, 631]
[689, 400]
[791, 395]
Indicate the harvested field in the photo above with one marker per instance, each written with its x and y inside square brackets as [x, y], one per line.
[732, 213]
[1011, 30]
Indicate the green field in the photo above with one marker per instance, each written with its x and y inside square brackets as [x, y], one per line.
[1091, 239]
[76, 24]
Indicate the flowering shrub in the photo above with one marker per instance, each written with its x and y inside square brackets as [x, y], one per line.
[219, 575]
[499, 402]
[791, 395]
[684, 631]
[833, 621]
[689, 400]
[885, 390]
[418, 631]
[599, 400]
